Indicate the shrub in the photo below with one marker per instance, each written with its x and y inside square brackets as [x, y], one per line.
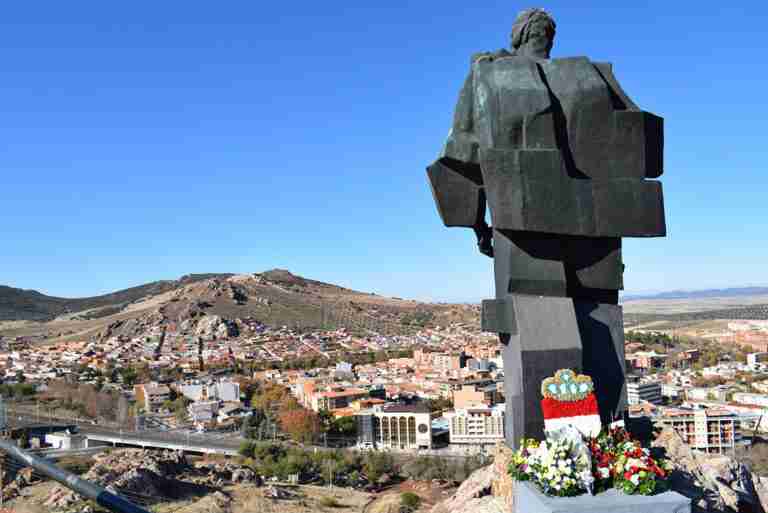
[330, 502]
[76, 465]
[409, 502]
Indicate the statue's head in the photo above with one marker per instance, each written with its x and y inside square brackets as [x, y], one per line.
[533, 33]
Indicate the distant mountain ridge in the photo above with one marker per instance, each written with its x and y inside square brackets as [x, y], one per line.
[701, 294]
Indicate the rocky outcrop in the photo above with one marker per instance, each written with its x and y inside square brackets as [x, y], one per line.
[224, 473]
[713, 483]
[132, 473]
[214, 326]
[148, 476]
[488, 490]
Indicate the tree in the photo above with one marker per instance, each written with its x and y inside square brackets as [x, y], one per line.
[343, 426]
[326, 419]
[20, 377]
[409, 502]
[302, 425]
[377, 464]
[129, 375]
[269, 398]
[255, 426]
[180, 408]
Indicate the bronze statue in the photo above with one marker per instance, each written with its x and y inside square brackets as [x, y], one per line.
[560, 155]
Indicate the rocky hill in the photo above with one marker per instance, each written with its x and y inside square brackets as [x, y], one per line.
[31, 305]
[221, 304]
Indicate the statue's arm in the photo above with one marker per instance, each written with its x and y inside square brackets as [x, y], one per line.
[640, 134]
[455, 177]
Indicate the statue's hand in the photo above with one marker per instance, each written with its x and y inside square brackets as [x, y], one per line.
[485, 240]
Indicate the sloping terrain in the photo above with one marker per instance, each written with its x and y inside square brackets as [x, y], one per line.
[31, 305]
[222, 303]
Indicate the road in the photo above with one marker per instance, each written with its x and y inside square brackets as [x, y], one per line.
[186, 440]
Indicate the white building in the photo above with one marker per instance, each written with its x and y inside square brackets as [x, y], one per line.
[401, 427]
[671, 391]
[706, 393]
[755, 358]
[476, 424]
[747, 398]
[227, 391]
[638, 392]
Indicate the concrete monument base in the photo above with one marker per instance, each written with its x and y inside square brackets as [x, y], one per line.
[528, 499]
[542, 334]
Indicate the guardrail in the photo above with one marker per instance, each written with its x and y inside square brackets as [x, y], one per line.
[85, 488]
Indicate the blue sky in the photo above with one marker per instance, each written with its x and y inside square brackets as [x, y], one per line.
[146, 140]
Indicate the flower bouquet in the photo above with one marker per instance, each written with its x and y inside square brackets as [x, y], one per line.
[578, 455]
[555, 466]
[620, 462]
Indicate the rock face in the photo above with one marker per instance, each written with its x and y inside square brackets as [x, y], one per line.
[213, 326]
[714, 483]
[148, 476]
[133, 473]
[488, 490]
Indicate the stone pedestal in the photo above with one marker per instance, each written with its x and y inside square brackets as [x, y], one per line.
[528, 499]
[542, 334]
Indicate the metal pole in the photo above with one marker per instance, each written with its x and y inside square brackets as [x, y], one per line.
[2, 481]
[85, 488]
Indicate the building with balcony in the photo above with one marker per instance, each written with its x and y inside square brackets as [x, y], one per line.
[336, 398]
[709, 430]
[151, 396]
[638, 392]
[477, 424]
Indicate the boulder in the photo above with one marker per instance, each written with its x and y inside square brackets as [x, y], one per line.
[713, 483]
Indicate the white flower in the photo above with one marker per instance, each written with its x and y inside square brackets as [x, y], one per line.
[635, 479]
[604, 472]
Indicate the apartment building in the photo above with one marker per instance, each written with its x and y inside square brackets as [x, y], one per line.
[472, 394]
[223, 390]
[718, 393]
[708, 430]
[749, 398]
[336, 398]
[151, 396]
[477, 424]
[638, 392]
[645, 360]
[440, 360]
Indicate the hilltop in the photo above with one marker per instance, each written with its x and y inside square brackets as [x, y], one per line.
[218, 302]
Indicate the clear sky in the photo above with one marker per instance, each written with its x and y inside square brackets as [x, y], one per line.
[146, 140]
